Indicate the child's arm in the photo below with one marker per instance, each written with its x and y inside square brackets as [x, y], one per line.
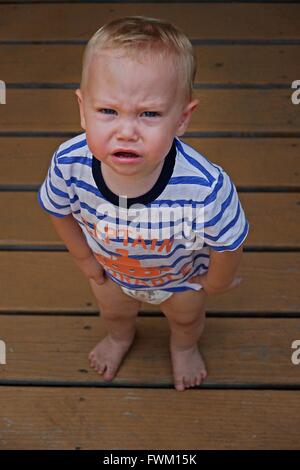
[74, 239]
[72, 236]
[221, 272]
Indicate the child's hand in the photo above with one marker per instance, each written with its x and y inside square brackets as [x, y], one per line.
[210, 289]
[91, 269]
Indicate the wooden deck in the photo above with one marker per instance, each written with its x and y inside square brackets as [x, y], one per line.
[248, 56]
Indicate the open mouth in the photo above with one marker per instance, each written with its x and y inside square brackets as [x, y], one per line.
[126, 155]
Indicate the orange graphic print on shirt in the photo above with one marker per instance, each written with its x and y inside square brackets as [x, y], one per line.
[131, 270]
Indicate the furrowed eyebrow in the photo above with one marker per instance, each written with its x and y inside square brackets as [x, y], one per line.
[145, 105]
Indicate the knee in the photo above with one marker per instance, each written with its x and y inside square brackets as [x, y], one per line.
[118, 314]
[185, 318]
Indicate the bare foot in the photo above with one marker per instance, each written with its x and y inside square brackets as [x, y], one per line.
[188, 367]
[107, 356]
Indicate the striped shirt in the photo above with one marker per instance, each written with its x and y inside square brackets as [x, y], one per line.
[160, 239]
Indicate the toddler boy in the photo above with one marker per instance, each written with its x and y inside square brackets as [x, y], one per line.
[144, 215]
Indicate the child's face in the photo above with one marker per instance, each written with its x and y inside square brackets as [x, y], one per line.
[131, 106]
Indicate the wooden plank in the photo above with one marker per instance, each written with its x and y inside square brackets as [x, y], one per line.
[64, 418]
[254, 162]
[57, 64]
[218, 111]
[203, 21]
[255, 351]
[273, 219]
[50, 283]
[250, 162]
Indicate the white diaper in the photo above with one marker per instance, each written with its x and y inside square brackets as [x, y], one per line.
[150, 296]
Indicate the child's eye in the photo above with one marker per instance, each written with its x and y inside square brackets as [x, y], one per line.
[112, 111]
[152, 112]
[103, 110]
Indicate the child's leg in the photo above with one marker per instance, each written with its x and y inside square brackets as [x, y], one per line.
[118, 314]
[185, 312]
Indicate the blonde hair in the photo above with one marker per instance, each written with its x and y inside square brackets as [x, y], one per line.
[139, 35]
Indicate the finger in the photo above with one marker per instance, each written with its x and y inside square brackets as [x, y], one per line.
[99, 280]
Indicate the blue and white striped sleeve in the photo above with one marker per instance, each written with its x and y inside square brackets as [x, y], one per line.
[225, 223]
[53, 195]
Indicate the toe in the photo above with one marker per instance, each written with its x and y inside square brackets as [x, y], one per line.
[179, 385]
[199, 380]
[187, 382]
[98, 367]
[101, 368]
[91, 355]
[110, 373]
[194, 382]
[108, 377]
[91, 358]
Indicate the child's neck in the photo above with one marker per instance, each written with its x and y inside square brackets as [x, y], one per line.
[130, 186]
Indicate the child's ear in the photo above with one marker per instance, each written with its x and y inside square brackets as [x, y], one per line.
[80, 103]
[185, 117]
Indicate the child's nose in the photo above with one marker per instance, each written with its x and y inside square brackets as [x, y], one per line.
[127, 129]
